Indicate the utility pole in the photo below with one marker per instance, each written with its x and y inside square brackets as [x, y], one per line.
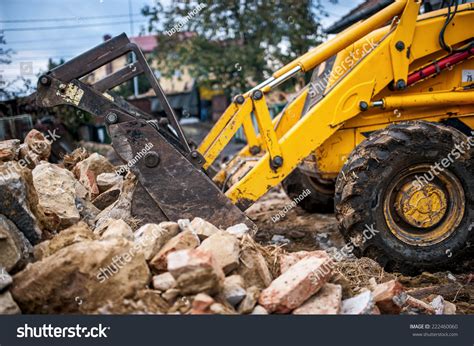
[130, 15]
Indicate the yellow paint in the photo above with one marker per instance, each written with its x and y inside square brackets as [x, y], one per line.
[423, 215]
[423, 207]
[335, 125]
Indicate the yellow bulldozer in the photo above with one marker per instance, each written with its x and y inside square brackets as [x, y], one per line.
[382, 135]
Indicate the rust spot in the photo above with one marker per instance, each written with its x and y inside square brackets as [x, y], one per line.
[244, 203]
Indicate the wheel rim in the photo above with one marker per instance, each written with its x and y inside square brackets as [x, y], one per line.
[421, 208]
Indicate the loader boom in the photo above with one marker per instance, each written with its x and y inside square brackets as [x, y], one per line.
[387, 63]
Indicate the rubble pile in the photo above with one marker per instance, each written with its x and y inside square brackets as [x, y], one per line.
[68, 244]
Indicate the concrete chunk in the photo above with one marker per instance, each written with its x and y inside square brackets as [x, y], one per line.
[253, 268]
[118, 229]
[224, 248]
[250, 300]
[449, 308]
[164, 282]
[38, 144]
[438, 305]
[106, 181]
[195, 271]
[238, 230]
[96, 272]
[296, 285]
[152, 237]
[71, 235]
[184, 240]
[202, 228]
[291, 258]
[201, 304]
[326, 302]
[385, 296]
[56, 188]
[221, 309]
[361, 304]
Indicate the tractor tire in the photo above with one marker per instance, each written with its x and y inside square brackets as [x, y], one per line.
[321, 197]
[393, 206]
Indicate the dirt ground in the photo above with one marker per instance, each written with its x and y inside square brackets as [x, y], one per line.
[299, 230]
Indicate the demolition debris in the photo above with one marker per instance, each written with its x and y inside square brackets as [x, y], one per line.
[69, 245]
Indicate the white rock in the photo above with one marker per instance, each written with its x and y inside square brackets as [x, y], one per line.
[202, 228]
[238, 230]
[184, 224]
[195, 271]
[326, 302]
[152, 237]
[164, 282]
[105, 181]
[225, 248]
[259, 310]
[361, 304]
[118, 229]
[56, 195]
[279, 239]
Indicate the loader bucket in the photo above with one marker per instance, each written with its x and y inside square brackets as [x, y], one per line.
[172, 184]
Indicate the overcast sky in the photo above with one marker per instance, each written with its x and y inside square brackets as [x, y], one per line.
[38, 29]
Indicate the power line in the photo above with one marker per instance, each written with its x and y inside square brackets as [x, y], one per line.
[19, 50]
[65, 18]
[52, 39]
[65, 26]
[42, 58]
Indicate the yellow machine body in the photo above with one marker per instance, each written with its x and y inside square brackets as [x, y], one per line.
[368, 63]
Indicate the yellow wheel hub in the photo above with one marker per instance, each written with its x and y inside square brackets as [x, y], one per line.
[423, 207]
[427, 214]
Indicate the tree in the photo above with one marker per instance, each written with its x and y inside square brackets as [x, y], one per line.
[52, 64]
[233, 44]
[5, 59]
[14, 87]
